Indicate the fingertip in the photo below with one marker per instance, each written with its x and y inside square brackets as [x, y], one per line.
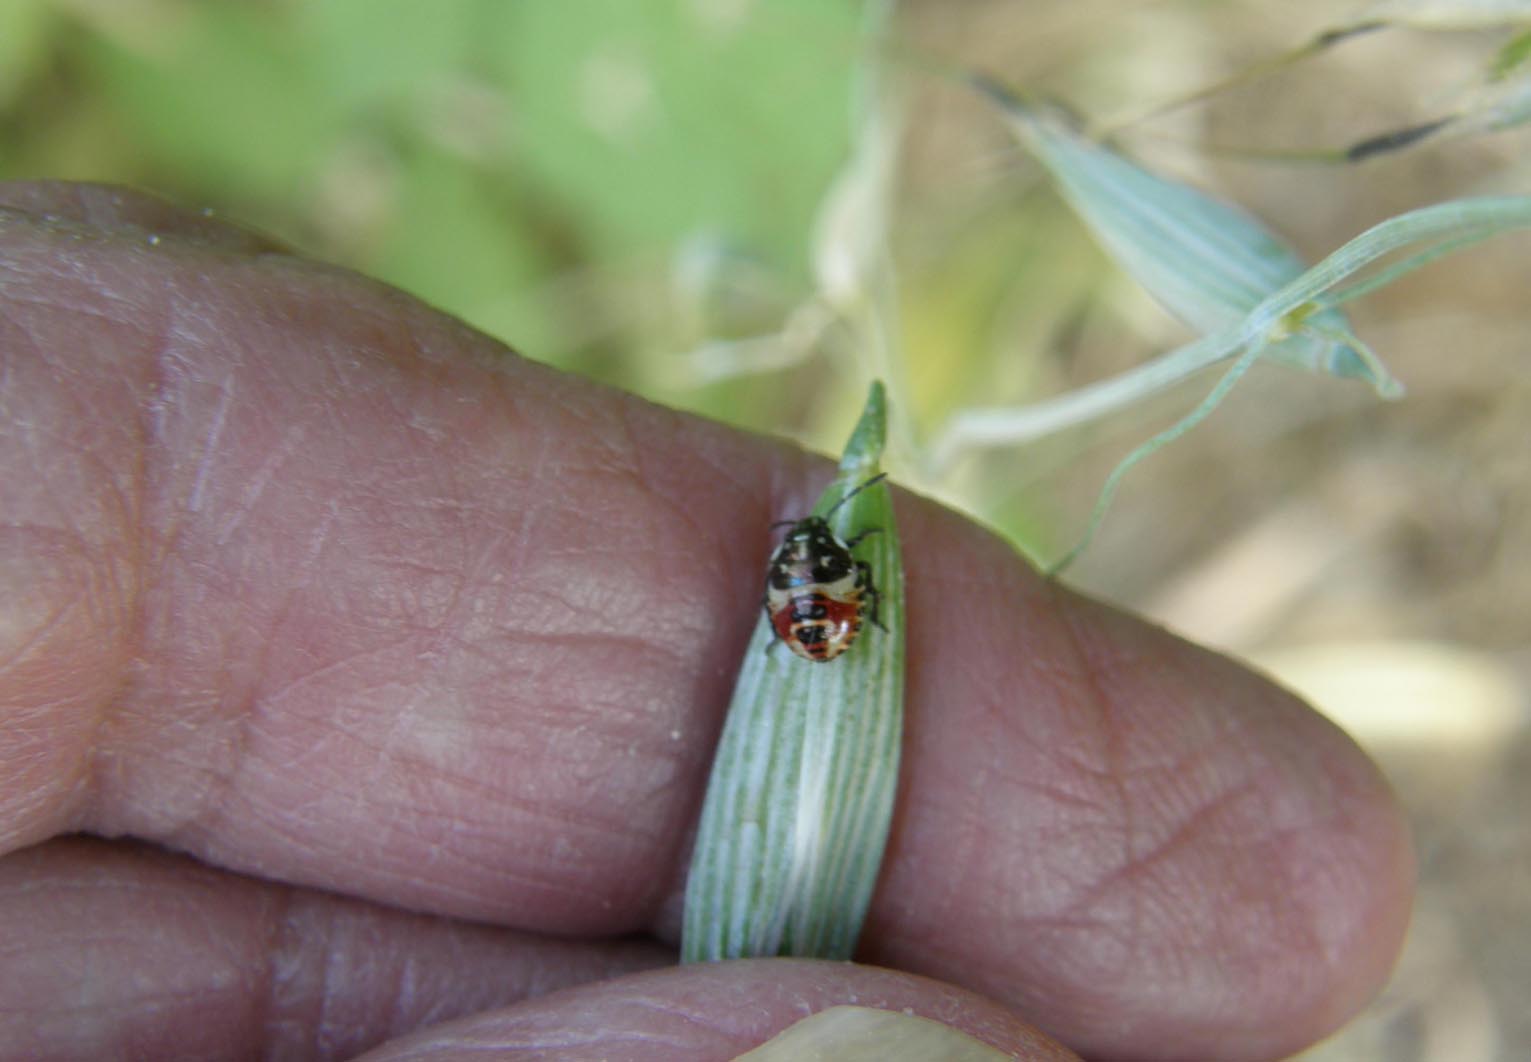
[1100, 818]
[708, 1011]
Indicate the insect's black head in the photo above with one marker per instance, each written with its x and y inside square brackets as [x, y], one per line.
[810, 554]
[809, 528]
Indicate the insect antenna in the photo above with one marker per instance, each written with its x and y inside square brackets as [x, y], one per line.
[874, 480]
[827, 513]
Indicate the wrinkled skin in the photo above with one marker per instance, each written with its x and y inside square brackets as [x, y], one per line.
[334, 624]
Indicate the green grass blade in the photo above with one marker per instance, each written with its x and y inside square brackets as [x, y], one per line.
[801, 795]
[1207, 261]
[1429, 233]
[1299, 307]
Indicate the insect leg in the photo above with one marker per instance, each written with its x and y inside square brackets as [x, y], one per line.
[869, 531]
[869, 589]
[765, 606]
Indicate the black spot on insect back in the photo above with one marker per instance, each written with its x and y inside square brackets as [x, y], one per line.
[830, 567]
[811, 634]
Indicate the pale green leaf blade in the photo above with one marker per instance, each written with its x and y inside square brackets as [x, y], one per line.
[1429, 233]
[1205, 260]
[801, 795]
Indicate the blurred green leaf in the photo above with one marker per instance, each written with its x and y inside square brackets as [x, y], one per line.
[24, 28]
[366, 53]
[453, 241]
[227, 99]
[655, 120]
[1511, 57]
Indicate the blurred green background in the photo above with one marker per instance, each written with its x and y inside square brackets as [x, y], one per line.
[542, 170]
[660, 193]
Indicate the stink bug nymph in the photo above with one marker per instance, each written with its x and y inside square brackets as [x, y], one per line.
[815, 590]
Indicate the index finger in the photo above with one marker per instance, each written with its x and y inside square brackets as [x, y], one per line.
[312, 582]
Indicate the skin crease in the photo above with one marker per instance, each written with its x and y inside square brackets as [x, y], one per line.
[357, 611]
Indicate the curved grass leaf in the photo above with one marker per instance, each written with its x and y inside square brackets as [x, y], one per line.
[1428, 233]
[1207, 261]
[801, 794]
[1217, 268]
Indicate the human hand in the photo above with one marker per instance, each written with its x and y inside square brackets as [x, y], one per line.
[419, 651]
